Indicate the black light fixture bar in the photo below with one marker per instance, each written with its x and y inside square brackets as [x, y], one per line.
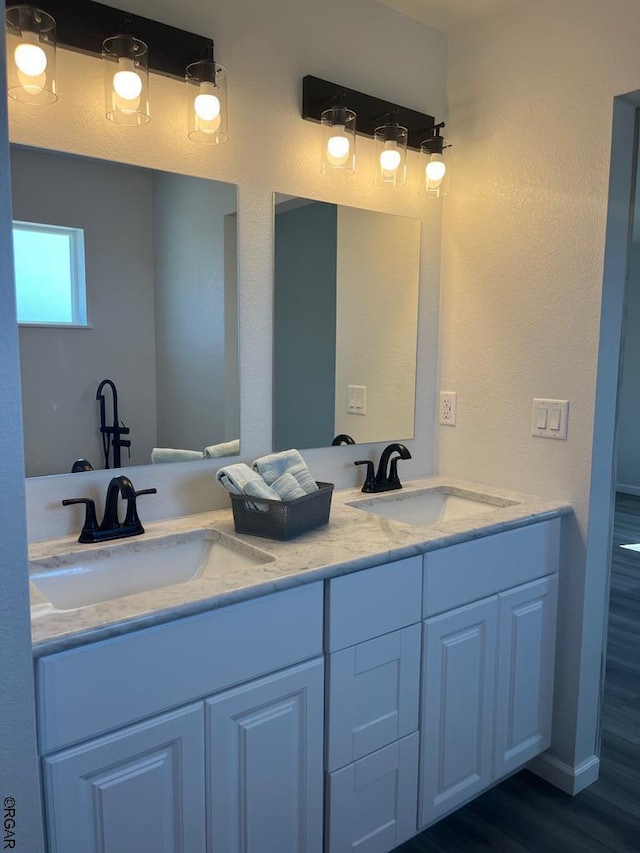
[319, 95]
[83, 25]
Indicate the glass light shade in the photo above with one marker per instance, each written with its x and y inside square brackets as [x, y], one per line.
[433, 171]
[390, 155]
[126, 80]
[338, 141]
[206, 85]
[31, 55]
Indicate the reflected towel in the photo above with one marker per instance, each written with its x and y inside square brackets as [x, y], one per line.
[239, 479]
[225, 448]
[171, 454]
[274, 465]
[288, 487]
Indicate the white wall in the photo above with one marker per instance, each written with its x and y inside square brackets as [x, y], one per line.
[377, 278]
[267, 50]
[18, 763]
[61, 368]
[531, 100]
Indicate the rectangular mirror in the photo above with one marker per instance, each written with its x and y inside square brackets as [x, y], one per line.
[345, 324]
[128, 275]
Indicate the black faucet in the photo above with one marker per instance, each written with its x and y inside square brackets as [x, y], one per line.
[111, 527]
[387, 477]
[343, 438]
[111, 435]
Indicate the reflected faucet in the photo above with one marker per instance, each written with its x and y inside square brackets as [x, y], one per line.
[386, 479]
[111, 435]
[343, 438]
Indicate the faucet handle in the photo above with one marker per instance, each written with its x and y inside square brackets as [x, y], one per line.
[370, 479]
[132, 518]
[90, 520]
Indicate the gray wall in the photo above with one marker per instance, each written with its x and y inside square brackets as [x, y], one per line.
[628, 461]
[18, 763]
[305, 326]
[61, 368]
[189, 224]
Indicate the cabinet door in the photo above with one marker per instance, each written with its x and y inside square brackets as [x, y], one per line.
[141, 788]
[373, 802]
[459, 662]
[373, 695]
[265, 751]
[525, 673]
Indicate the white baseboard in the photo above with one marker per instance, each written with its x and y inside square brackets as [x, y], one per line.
[627, 489]
[569, 779]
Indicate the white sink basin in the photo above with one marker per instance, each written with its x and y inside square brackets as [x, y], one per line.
[115, 570]
[428, 506]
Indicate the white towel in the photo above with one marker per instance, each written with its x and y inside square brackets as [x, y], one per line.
[225, 448]
[239, 479]
[171, 454]
[288, 487]
[274, 465]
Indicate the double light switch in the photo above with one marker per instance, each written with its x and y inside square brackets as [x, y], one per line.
[549, 418]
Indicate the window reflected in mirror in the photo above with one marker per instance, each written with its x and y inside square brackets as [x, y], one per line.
[160, 315]
[345, 324]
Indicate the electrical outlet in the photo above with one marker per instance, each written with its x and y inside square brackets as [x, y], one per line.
[447, 410]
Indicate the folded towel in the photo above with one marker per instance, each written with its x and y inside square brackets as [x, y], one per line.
[171, 454]
[239, 479]
[225, 448]
[274, 465]
[288, 487]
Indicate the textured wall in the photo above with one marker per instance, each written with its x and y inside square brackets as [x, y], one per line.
[531, 98]
[18, 764]
[267, 49]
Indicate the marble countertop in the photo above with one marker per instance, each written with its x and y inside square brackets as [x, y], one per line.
[352, 540]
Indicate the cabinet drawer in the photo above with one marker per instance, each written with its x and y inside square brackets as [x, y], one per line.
[95, 688]
[377, 601]
[372, 804]
[373, 690]
[473, 570]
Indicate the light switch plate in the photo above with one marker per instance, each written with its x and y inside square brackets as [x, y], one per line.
[549, 418]
[356, 399]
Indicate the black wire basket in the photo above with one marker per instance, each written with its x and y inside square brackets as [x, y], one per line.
[282, 519]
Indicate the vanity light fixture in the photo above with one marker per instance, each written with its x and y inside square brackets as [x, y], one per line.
[405, 128]
[31, 55]
[89, 27]
[206, 84]
[433, 169]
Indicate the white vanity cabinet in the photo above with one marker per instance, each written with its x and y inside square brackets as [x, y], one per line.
[199, 735]
[487, 665]
[373, 675]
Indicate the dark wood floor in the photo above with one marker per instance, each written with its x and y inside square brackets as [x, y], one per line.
[525, 814]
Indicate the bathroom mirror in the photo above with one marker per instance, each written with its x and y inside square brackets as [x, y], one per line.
[345, 324]
[161, 312]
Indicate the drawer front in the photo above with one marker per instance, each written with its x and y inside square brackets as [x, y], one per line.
[463, 573]
[374, 689]
[95, 688]
[366, 604]
[372, 804]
